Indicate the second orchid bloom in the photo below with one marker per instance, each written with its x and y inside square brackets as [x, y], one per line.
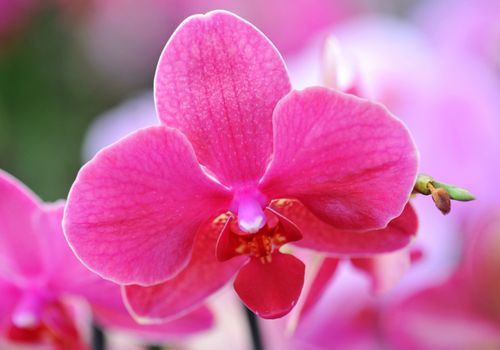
[174, 212]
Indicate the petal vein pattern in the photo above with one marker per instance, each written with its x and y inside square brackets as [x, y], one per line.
[218, 81]
[346, 159]
[134, 210]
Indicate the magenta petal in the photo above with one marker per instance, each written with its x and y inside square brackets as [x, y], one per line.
[218, 81]
[133, 211]
[320, 236]
[20, 251]
[272, 289]
[203, 276]
[347, 159]
[8, 302]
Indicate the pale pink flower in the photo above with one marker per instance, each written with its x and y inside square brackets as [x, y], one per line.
[463, 27]
[122, 39]
[463, 312]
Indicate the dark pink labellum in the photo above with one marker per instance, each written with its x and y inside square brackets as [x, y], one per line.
[271, 289]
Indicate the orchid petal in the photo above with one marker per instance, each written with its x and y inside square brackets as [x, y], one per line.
[320, 236]
[19, 240]
[61, 324]
[133, 211]
[272, 289]
[198, 320]
[218, 81]
[384, 270]
[347, 159]
[481, 266]
[319, 284]
[8, 302]
[203, 276]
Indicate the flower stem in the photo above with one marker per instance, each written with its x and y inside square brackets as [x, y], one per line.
[254, 330]
[98, 338]
[155, 347]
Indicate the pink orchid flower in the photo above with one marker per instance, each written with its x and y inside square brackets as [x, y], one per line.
[40, 279]
[462, 312]
[148, 211]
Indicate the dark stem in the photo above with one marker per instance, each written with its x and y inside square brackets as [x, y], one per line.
[154, 347]
[98, 338]
[254, 330]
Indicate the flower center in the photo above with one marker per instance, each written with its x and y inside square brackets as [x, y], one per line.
[248, 205]
[276, 232]
[262, 244]
[38, 318]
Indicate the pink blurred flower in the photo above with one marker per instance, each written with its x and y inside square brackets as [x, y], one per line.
[40, 280]
[464, 311]
[464, 27]
[147, 210]
[345, 316]
[123, 38]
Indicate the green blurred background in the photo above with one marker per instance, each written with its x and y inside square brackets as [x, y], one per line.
[48, 97]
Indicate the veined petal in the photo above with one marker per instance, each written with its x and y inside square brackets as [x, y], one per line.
[271, 289]
[320, 236]
[218, 81]
[203, 276]
[347, 159]
[20, 251]
[133, 211]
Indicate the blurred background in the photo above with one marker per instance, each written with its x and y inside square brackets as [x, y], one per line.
[76, 75]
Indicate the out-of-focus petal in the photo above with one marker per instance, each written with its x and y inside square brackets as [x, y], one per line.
[272, 289]
[481, 266]
[320, 282]
[347, 159]
[8, 301]
[320, 236]
[198, 320]
[385, 270]
[60, 325]
[218, 81]
[203, 276]
[440, 318]
[133, 211]
[20, 252]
